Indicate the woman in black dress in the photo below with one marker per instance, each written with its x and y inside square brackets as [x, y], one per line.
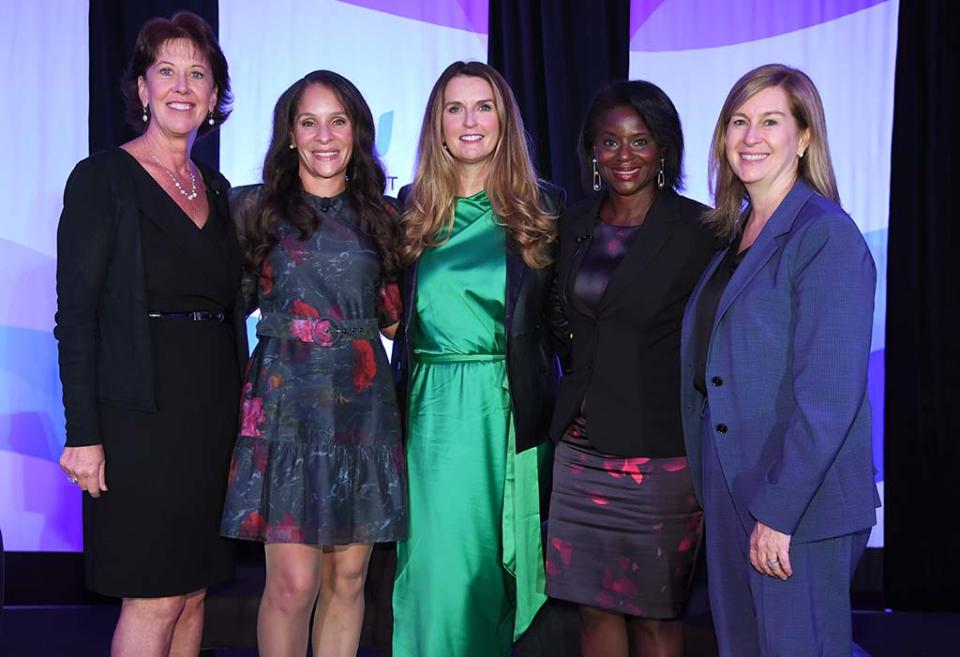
[624, 526]
[318, 471]
[151, 345]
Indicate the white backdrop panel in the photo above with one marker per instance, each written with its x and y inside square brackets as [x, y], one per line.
[44, 109]
[393, 60]
[849, 52]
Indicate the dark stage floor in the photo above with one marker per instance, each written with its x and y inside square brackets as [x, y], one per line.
[84, 631]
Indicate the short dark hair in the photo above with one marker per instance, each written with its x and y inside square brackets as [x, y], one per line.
[156, 32]
[657, 111]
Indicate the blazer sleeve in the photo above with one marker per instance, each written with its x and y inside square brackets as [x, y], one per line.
[834, 283]
[389, 306]
[85, 241]
[244, 204]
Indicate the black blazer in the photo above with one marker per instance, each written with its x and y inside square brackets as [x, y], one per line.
[625, 360]
[532, 367]
[101, 322]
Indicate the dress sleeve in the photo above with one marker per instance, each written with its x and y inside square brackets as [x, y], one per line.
[85, 239]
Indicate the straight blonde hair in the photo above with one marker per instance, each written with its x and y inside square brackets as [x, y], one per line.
[815, 168]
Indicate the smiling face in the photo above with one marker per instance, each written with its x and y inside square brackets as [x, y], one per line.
[178, 88]
[763, 142]
[470, 123]
[627, 155]
[323, 135]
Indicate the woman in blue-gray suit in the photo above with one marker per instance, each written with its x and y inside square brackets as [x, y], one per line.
[775, 344]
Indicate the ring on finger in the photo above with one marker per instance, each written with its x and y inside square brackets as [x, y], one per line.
[773, 563]
[72, 479]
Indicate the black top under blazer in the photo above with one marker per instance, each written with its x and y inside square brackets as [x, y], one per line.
[532, 366]
[623, 363]
[101, 322]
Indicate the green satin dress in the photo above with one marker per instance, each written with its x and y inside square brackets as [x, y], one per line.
[470, 579]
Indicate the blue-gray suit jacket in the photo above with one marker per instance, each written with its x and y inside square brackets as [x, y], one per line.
[786, 375]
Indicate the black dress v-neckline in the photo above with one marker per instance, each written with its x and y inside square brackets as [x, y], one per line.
[206, 186]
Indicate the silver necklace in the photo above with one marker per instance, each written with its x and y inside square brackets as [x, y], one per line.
[192, 194]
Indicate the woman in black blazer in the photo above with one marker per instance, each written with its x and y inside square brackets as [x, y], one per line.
[624, 525]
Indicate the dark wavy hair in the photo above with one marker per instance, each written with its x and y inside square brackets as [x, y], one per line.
[156, 32]
[657, 111]
[283, 194]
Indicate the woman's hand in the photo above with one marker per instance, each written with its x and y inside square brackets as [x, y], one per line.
[86, 467]
[390, 332]
[770, 552]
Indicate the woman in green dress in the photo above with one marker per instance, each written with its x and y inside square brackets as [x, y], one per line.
[477, 374]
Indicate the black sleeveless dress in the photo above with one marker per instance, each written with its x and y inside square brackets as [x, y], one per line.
[156, 531]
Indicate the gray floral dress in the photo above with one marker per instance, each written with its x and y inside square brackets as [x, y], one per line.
[319, 459]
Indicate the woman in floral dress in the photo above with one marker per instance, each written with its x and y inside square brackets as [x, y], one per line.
[318, 471]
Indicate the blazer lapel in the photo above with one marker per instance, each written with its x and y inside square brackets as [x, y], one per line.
[515, 271]
[409, 290]
[765, 246]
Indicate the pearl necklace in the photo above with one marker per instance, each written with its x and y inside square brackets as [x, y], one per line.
[192, 194]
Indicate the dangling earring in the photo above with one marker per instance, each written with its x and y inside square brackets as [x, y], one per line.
[144, 116]
[210, 120]
[596, 176]
[292, 146]
[661, 178]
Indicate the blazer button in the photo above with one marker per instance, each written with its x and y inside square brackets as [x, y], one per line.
[721, 428]
[717, 381]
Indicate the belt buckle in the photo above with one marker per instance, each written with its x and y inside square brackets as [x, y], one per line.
[324, 332]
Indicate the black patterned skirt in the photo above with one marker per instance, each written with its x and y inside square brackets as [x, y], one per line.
[624, 533]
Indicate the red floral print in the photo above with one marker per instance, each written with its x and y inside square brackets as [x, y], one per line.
[675, 464]
[303, 309]
[258, 455]
[364, 365]
[295, 248]
[312, 330]
[391, 307]
[622, 584]
[253, 526]
[619, 468]
[266, 277]
[564, 548]
[285, 531]
[252, 417]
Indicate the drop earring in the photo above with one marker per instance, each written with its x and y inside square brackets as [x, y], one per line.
[661, 178]
[210, 119]
[143, 115]
[596, 176]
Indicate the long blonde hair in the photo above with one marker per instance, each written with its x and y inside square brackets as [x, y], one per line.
[511, 183]
[815, 168]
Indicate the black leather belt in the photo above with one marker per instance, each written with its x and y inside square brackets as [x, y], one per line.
[194, 316]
